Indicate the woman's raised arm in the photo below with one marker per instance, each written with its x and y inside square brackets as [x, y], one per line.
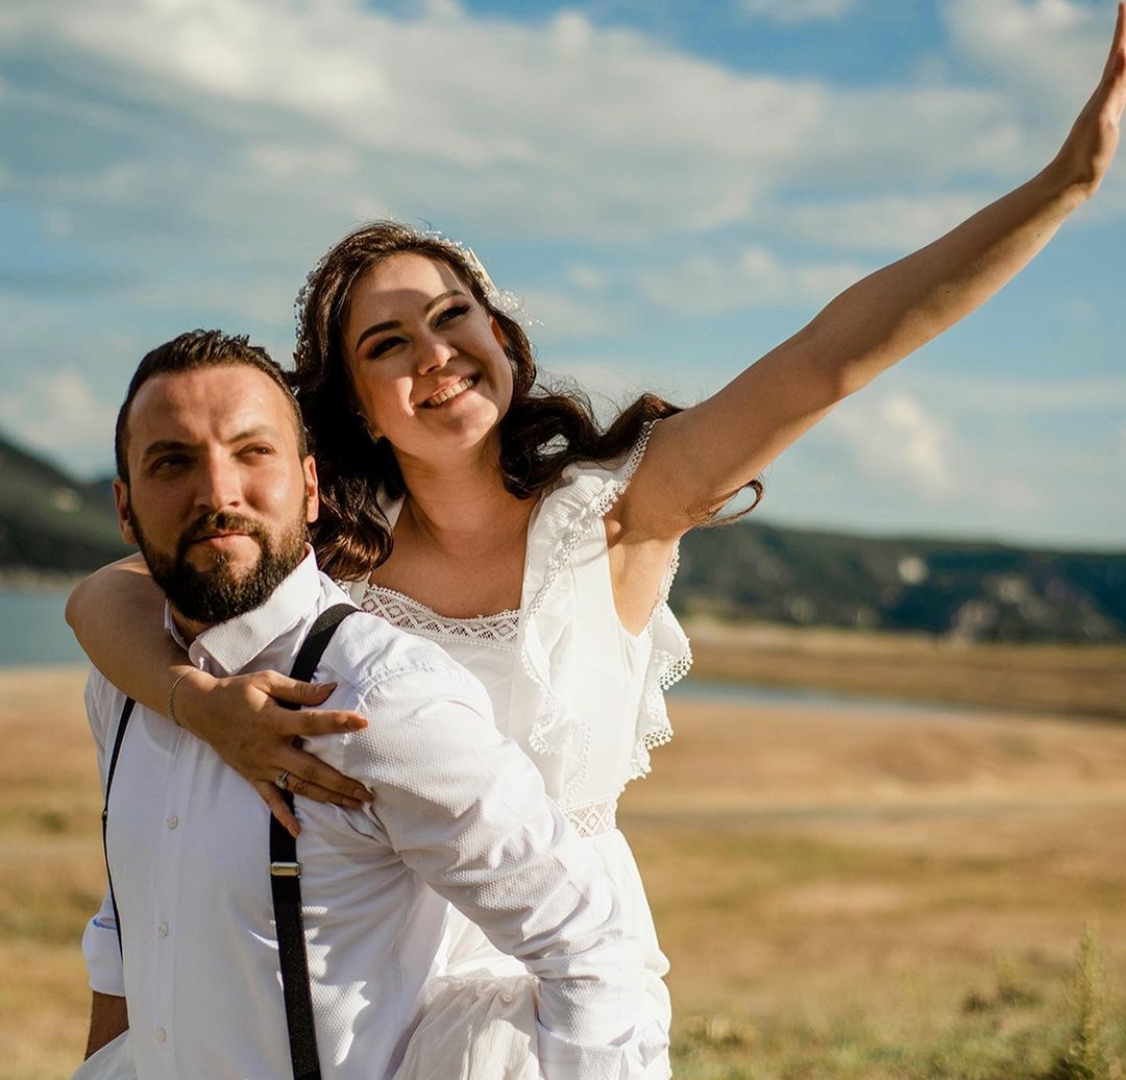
[117, 614]
[699, 458]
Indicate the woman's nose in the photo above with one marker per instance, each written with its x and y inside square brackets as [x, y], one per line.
[434, 353]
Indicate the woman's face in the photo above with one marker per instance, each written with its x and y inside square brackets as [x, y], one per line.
[426, 359]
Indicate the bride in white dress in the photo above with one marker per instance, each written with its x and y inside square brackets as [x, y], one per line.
[537, 550]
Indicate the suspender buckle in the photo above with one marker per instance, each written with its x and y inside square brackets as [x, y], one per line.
[285, 869]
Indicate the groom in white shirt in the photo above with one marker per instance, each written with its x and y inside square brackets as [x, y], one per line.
[216, 487]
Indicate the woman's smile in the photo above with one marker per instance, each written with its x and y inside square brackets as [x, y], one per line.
[448, 391]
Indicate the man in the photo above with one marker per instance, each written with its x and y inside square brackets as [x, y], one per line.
[216, 487]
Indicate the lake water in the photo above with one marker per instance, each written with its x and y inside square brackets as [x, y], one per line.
[33, 630]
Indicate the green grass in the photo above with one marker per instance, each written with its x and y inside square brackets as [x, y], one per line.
[1016, 1030]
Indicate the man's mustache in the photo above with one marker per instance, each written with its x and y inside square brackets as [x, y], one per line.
[221, 522]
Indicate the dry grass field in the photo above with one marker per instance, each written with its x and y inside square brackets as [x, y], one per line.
[842, 893]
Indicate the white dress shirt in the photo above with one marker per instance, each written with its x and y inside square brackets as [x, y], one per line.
[460, 815]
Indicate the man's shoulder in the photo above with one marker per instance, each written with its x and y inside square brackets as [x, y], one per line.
[368, 653]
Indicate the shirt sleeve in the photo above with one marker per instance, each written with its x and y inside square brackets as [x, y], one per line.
[100, 947]
[102, 953]
[466, 809]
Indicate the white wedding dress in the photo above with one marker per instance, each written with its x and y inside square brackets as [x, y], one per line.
[584, 698]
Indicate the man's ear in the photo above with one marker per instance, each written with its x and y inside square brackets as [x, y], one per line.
[124, 518]
[312, 489]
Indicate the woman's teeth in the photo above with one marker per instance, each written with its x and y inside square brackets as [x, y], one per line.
[443, 396]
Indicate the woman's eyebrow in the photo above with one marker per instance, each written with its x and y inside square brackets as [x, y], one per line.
[378, 328]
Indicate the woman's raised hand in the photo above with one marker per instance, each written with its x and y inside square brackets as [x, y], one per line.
[1089, 148]
[242, 719]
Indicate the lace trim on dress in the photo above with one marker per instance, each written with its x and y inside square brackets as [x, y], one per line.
[498, 631]
[595, 818]
[546, 736]
[670, 664]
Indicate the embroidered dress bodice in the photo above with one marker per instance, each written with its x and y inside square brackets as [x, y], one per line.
[487, 644]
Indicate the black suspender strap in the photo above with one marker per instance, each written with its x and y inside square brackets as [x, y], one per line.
[285, 871]
[285, 883]
[126, 712]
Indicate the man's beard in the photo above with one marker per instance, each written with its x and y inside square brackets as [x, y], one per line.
[216, 595]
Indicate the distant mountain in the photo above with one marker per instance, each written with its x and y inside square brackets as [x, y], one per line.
[749, 570]
[51, 522]
[975, 591]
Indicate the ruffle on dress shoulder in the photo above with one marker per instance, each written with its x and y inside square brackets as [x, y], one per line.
[565, 518]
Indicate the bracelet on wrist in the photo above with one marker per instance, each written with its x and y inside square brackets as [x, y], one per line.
[171, 710]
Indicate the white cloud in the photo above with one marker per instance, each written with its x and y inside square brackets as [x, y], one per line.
[889, 223]
[799, 11]
[706, 284]
[79, 431]
[609, 388]
[587, 277]
[1025, 397]
[556, 314]
[892, 435]
[1053, 49]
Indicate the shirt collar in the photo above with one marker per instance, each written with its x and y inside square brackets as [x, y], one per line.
[230, 646]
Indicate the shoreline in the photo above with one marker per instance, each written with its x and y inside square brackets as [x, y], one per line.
[29, 580]
[764, 664]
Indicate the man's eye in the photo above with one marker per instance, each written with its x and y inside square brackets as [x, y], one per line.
[168, 463]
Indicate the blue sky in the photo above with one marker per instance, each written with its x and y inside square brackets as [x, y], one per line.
[670, 187]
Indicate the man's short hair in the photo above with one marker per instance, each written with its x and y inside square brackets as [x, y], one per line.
[189, 352]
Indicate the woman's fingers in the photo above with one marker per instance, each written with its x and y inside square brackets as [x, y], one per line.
[272, 797]
[306, 783]
[308, 722]
[243, 720]
[294, 691]
[312, 778]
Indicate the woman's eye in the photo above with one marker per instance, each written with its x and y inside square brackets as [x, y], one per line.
[454, 311]
[383, 346]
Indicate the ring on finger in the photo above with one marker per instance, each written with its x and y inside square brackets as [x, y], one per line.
[282, 780]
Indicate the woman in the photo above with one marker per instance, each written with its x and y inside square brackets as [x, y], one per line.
[535, 549]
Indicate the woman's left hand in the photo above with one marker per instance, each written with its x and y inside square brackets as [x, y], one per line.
[1089, 148]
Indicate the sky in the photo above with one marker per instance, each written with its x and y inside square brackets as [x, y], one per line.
[670, 188]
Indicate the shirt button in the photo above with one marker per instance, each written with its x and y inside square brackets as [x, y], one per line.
[173, 821]
[161, 1035]
[162, 929]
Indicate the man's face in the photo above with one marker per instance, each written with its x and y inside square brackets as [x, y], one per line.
[218, 495]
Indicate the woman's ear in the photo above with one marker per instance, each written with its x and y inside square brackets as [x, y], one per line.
[498, 333]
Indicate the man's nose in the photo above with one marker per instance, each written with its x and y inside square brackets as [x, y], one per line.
[220, 485]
